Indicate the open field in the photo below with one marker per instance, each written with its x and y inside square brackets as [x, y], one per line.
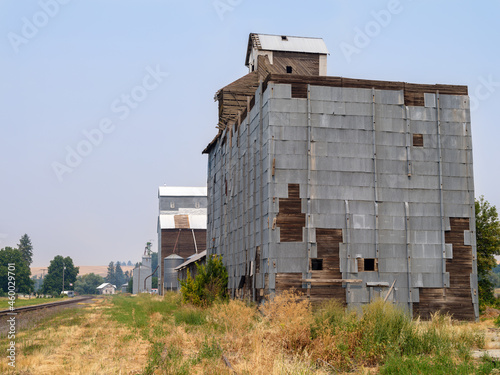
[154, 335]
[84, 270]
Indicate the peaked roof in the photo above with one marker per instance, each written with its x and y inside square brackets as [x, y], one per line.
[266, 42]
[104, 285]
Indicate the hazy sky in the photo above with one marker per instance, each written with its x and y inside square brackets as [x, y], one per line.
[102, 101]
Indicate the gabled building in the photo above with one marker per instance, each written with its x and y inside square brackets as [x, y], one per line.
[106, 288]
[342, 188]
[182, 229]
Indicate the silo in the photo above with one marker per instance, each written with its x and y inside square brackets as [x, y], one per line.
[170, 274]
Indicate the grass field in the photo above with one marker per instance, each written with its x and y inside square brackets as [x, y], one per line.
[20, 302]
[154, 335]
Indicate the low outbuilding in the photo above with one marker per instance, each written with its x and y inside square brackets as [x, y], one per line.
[106, 288]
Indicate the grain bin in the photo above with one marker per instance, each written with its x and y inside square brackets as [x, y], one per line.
[170, 275]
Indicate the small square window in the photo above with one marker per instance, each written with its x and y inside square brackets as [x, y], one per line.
[289, 69]
[418, 140]
[284, 37]
[316, 264]
[369, 264]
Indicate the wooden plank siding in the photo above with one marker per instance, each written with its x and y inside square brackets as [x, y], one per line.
[457, 299]
[181, 221]
[290, 218]
[413, 93]
[418, 140]
[182, 240]
[328, 241]
[301, 63]
[287, 281]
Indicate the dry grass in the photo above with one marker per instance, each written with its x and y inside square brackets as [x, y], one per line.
[79, 342]
[155, 335]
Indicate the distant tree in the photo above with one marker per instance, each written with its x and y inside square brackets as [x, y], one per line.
[154, 282]
[23, 283]
[127, 275]
[129, 263]
[88, 283]
[488, 245]
[53, 282]
[111, 277]
[119, 276]
[130, 286]
[26, 249]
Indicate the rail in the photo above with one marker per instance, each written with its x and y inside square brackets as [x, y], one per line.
[44, 305]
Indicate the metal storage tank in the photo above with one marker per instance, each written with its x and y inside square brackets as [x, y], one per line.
[170, 274]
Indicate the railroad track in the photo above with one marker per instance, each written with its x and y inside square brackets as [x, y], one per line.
[44, 305]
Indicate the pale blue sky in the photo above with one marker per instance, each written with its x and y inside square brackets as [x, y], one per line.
[69, 72]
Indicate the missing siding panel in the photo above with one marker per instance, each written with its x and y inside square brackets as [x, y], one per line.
[290, 218]
[257, 259]
[289, 69]
[242, 282]
[299, 90]
[418, 140]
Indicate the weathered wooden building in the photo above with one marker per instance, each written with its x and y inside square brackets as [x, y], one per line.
[182, 223]
[343, 188]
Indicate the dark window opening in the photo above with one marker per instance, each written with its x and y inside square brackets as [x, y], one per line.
[253, 68]
[369, 264]
[316, 264]
[284, 37]
[289, 69]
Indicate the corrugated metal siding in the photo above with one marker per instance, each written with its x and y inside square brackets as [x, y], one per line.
[392, 200]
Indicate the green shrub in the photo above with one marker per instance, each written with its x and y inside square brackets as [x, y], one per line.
[209, 285]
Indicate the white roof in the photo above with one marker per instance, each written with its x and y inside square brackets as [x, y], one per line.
[104, 285]
[182, 191]
[292, 44]
[195, 221]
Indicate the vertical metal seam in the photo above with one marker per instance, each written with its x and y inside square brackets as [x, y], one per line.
[408, 144]
[374, 129]
[408, 256]
[348, 249]
[261, 179]
[308, 188]
[240, 229]
[441, 203]
[375, 182]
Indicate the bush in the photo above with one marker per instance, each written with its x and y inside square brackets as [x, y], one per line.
[209, 285]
